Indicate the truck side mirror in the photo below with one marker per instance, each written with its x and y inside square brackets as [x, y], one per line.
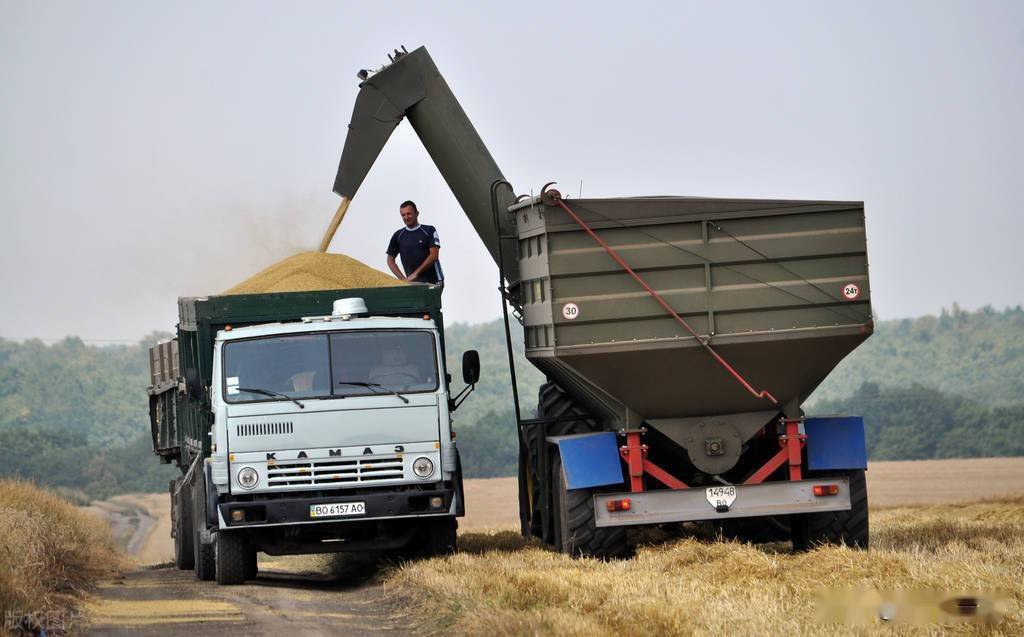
[471, 367]
[193, 385]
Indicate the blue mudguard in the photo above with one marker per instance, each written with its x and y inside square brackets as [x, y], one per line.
[835, 442]
[589, 460]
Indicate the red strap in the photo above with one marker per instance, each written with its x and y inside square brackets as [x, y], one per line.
[615, 255]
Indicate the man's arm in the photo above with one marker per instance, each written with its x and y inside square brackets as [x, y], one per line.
[395, 270]
[428, 262]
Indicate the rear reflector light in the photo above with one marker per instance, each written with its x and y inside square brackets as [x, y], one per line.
[826, 489]
[618, 505]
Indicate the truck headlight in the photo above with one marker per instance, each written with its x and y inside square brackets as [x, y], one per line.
[248, 478]
[423, 467]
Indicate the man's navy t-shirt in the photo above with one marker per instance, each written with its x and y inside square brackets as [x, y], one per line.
[413, 244]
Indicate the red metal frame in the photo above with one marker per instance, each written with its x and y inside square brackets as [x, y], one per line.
[634, 453]
[792, 443]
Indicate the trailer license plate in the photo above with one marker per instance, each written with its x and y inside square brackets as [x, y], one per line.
[337, 509]
[720, 496]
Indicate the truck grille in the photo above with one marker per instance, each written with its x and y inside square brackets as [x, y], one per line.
[349, 471]
[263, 428]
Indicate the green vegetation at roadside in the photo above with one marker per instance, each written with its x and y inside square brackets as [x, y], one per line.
[75, 416]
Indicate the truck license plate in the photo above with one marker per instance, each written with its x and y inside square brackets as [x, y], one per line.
[720, 496]
[337, 509]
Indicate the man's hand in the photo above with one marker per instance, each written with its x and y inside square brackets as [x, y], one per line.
[428, 262]
[394, 269]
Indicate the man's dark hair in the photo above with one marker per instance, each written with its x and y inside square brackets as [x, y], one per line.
[409, 204]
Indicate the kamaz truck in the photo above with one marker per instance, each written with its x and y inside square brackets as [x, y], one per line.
[308, 422]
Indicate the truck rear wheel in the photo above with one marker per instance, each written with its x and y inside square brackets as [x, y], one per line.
[552, 402]
[202, 542]
[231, 557]
[576, 533]
[835, 527]
[181, 512]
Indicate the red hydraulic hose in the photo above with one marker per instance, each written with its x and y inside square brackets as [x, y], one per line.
[657, 297]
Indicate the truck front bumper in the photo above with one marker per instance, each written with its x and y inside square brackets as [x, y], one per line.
[752, 500]
[386, 505]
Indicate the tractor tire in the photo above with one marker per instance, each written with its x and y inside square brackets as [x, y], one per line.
[252, 567]
[181, 512]
[576, 533]
[552, 403]
[202, 539]
[231, 557]
[848, 528]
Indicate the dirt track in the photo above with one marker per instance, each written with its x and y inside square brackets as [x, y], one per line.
[300, 596]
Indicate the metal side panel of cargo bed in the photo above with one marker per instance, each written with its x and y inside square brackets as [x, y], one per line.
[779, 288]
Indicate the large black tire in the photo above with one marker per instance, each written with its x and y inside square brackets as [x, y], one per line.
[576, 533]
[202, 540]
[848, 528]
[184, 553]
[437, 536]
[231, 557]
[252, 567]
[552, 402]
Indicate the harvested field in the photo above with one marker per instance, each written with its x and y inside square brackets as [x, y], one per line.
[51, 552]
[502, 585]
[309, 271]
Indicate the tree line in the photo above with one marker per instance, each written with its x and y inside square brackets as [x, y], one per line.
[75, 416]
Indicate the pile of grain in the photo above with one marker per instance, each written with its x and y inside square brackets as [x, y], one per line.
[308, 271]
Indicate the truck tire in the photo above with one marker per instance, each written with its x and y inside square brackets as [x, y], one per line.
[231, 557]
[184, 553]
[849, 528]
[576, 533]
[436, 537]
[202, 540]
[252, 567]
[552, 402]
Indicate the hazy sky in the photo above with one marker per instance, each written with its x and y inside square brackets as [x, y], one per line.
[150, 150]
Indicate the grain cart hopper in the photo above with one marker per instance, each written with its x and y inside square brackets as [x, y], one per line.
[679, 337]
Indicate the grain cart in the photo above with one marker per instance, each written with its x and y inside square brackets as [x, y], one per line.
[308, 422]
[679, 337]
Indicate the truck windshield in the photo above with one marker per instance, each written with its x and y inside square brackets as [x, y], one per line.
[320, 365]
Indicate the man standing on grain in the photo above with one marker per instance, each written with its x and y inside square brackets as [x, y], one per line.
[418, 247]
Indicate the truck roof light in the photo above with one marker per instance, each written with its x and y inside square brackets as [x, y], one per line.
[353, 306]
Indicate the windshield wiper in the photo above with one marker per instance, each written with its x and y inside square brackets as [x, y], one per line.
[272, 394]
[374, 386]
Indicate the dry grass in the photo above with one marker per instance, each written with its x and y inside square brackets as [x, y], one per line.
[50, 550]
[501, 585]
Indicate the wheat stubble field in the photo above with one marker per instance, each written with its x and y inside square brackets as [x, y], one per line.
[949, 525]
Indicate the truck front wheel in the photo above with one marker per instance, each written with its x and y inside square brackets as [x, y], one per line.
[231, 557]
[438, 537]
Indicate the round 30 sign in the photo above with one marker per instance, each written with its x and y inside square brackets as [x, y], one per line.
[570, 311]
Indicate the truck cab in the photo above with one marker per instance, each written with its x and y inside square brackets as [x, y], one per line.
[329, 433]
